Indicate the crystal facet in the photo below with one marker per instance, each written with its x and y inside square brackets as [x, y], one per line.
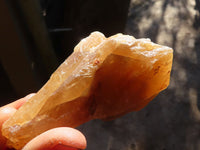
[104, 78]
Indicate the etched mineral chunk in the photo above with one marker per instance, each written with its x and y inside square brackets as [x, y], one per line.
[104, 78]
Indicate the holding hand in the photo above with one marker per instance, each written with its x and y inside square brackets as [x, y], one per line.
[63, 138]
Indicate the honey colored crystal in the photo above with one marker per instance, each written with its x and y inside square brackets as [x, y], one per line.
[104, 78]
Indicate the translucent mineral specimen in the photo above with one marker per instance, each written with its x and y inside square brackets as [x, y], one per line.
[104, 78]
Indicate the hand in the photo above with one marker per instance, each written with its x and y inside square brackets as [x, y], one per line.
[62, 138]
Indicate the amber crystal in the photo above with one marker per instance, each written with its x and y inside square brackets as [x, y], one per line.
[103, 78]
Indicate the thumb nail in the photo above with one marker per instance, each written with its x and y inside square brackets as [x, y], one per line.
[29, 96]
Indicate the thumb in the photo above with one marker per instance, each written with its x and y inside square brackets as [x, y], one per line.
[63, 138]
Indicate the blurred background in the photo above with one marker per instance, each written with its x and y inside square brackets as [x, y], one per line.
[36, 36]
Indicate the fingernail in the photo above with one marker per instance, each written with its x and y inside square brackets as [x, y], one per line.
[29, 96]
[64, 147]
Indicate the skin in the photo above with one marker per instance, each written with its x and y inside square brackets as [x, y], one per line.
[62, 138]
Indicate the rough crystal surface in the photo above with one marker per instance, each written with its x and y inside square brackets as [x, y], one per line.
[104, 78]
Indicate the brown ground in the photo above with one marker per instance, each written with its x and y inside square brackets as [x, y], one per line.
[172, 120]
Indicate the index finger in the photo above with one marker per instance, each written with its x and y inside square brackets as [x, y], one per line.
[18, 103]
[6, 112]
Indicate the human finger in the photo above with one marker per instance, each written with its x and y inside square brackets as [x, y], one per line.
[18, 103]
[62, 138]
[6, 112]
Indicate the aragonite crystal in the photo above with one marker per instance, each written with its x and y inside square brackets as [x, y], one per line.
[104, 78]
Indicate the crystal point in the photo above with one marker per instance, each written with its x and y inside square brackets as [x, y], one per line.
[103, 78]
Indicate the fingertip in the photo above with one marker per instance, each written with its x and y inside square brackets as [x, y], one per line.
[18, 103]
[63, 138]
[29, 96]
